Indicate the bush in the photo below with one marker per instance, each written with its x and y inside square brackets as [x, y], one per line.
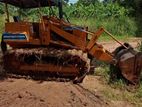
[111, 16]
[122, 26]
[97, 10]
[1, 24]
[140, 46]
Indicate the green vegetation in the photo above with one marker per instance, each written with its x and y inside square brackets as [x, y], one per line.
[119, 90]
[115, 26]
[1, 24]
[97, 10]
[140, 46]
[118, 17]
[112, 16]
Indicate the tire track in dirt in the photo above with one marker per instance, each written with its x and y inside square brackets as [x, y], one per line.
[92, 96]
[86, 97]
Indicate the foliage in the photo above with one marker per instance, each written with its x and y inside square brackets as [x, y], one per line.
[140, 46]
[115, 17]
[87, 2]
[1, 9]
[97, 10]
[139, 16]
[1, 24]
[112, 16]
[118, 90]
[115, 26]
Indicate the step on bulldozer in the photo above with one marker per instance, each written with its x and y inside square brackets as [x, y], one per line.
[54, 47]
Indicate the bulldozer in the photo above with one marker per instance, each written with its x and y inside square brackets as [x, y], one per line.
[55, 47]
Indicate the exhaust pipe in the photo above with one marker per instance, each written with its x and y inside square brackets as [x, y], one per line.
[60, 9]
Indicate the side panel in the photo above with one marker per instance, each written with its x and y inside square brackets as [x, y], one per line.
[20, 34]
[70, 37]
[82, 35]
[44, 34]
[19, 27]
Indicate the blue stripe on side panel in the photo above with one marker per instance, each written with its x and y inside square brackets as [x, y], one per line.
[12, 36]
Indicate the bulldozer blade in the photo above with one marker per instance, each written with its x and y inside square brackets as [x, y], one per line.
[129, 63]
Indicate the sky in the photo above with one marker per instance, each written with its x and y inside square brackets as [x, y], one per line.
[73, 1]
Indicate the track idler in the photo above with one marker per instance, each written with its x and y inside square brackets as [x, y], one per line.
[129, 63]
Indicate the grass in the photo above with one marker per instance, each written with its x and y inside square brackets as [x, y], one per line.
[105, 38]
[1, 25]
[120, 27]
[118, 90]
[108, 38]
[140, 46]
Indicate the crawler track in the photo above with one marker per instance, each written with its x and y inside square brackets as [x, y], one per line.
[46, 63]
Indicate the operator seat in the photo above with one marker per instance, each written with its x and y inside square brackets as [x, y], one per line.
[16, 18]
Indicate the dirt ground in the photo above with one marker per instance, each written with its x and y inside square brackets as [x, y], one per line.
[30, 93]
[112, 45]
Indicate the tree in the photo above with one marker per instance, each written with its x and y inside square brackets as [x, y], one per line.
[125, 3]
[138, 11]
[1, 9]
[66, 1]
[87, 2]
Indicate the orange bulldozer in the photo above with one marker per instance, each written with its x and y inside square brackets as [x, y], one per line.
[54, 47]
